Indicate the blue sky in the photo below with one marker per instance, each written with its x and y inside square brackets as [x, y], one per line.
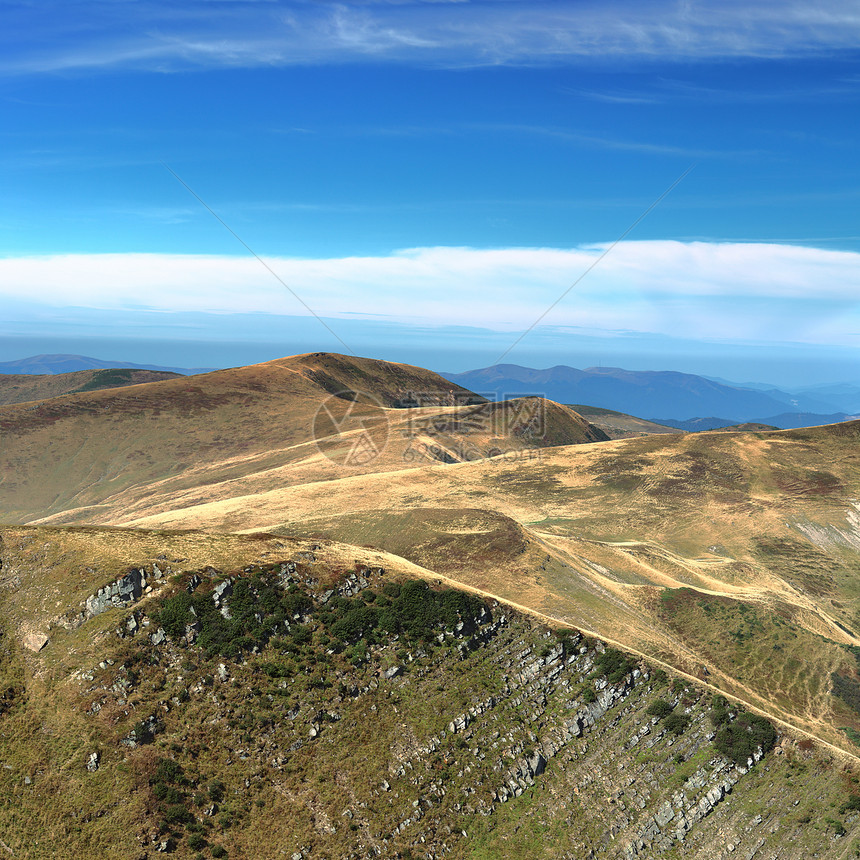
[430, 177]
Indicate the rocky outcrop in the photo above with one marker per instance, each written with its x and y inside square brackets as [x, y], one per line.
[493, 726]
[123, 591]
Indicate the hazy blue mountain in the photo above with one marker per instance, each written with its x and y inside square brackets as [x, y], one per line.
[843, 396]
[694, 425]
[755, 386]
[826, 397]
[784, 421]
[791, 420]
[647, 394]
[51, 364]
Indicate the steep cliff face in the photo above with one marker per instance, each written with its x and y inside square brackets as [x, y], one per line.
[297, 708]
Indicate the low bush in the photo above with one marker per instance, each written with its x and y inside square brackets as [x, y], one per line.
[659, 708]
[168, 770]
[614, 665]
[176, 813]
[676, 723]
[720, 714]
[851, 805]
[739, 739]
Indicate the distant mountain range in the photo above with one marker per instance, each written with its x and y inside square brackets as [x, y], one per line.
[668, 397]
[785, 421]
[50, 364]
[676, 397]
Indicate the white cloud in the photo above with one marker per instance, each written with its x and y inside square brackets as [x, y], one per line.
[165, 37]
[694, 289]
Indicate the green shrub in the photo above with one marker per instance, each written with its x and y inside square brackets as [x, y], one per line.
[174, 615]
[720, 714]
[218, 852]
[853, 735]
[168, 770]
[176, 813]
[301, 634]
[676, 723]
[851, 805]
[837, 826]
[167, 793]
[659, 708]
[143, 732]
[588, 695]
[739, 739]
[614, 665]
[196, 842]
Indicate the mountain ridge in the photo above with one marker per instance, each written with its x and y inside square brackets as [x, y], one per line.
[718, 554]
[47, 364]
[22, 388]
[681, 396]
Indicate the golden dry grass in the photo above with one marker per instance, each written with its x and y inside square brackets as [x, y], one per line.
[591, 534]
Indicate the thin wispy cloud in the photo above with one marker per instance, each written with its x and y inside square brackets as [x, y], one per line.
[163, 37]
[670, 91]
[605, 142]
[708, 290]
[615, 97]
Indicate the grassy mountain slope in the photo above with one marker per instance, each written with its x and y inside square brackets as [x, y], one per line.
[346, 710]
[619, 425]
[379, 382]
[97, 456]
[20, 388]
[733, 556]
[767, 521]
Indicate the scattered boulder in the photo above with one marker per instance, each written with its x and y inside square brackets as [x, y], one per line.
[35, 641]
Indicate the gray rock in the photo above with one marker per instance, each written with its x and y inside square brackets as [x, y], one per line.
[459, 724]
[664, 815]
[536, 764]
[222, 591]
[158, 637]
[120, 592]
[93, 762]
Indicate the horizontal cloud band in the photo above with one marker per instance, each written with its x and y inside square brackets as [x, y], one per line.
[762, 291]
[161, 37]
